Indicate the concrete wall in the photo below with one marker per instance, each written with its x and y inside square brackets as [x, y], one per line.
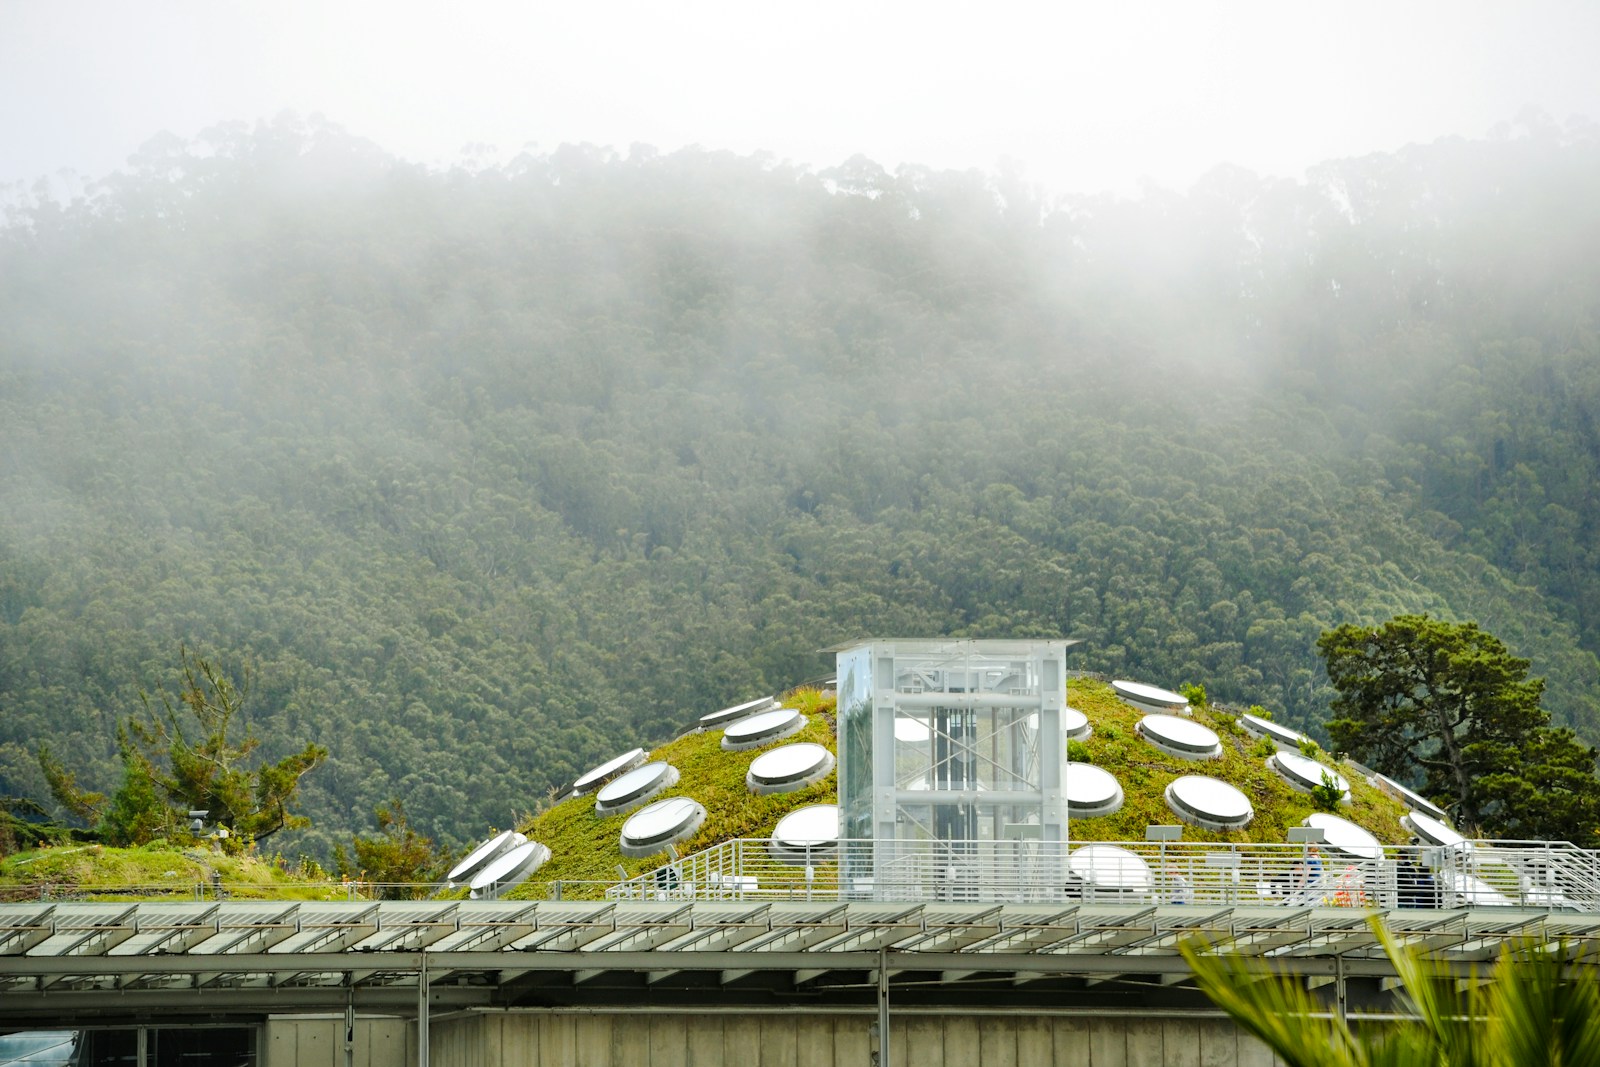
[807, 1039]
[318, 1041]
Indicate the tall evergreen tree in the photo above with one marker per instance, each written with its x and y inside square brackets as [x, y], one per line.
[1448, 705]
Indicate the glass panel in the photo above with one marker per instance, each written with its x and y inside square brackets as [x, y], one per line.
[38, 1048]
[855, 743]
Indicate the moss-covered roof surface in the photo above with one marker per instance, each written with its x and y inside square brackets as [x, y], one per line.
[585, 846]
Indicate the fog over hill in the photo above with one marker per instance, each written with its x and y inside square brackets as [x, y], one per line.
[488, 473]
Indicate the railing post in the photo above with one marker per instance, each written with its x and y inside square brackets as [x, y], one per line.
[349, 1022]
[422, 1009]
[880, 1055]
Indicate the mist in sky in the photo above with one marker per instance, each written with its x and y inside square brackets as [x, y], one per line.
[1084, 97]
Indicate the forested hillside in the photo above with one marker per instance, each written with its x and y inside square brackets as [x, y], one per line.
[488, 474]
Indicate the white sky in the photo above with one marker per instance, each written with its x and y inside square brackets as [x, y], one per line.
[1085, 96]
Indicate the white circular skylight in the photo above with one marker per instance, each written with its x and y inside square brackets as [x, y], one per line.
[1344, 836]
[733, 714]
[1432, 831]
[1075, 725]
[1305, 773]
[634, 788]
[791, 767]
[608, 770]
[1256, 726]
[762, 728]
[1091, 791]
[1179, 737]
[806, 834]
[663, 823]
[1110, 868]
[1209, 802]
[1147, 697]
[509, 869]
[1416, 800]
[475, 860]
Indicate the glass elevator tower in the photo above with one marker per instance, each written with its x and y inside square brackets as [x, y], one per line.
[951, 763]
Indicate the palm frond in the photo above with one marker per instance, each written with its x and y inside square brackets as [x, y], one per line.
[1273, 1006]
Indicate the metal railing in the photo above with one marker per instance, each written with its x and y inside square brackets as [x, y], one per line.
[350, 889]
[1531, 874]
[1479, 874]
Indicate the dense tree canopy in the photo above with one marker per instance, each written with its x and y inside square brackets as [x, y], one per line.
[492, 473]
[1447, 704]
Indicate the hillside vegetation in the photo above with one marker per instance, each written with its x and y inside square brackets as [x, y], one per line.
[489, 474]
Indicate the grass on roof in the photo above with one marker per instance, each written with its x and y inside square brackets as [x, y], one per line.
[585, 846]
[155, 870]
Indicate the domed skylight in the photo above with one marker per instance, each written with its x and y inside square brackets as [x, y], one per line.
[1151, 698]
[1110, 869]
[1344, 836]
[806, 834]
[608, 770]
[1091, 791]
[630, 790]
[1256, 726]
[1304, 773]
[791, 767]
[735, 713]
[1416, 800]
[509, 869]
[1209, 802]
[663, 823]
[480, 857]
[1183, 738]
[1433, 832]
[762, 729]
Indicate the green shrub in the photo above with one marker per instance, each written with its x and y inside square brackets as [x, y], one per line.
[1260, 712]
[1078, 752]
[1327, 796]
[1194, 693]
[1310, 749]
